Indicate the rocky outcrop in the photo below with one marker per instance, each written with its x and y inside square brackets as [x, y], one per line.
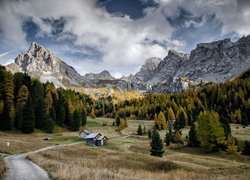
[147, 69]
[13, 68]
[104, 75]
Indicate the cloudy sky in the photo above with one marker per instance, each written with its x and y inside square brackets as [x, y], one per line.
[117, 35]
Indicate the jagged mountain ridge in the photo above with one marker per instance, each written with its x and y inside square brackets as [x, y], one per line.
[209, 62]
[104, 75]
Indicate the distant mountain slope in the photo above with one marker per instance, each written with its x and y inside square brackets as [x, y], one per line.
[208, 62]
[215, 62]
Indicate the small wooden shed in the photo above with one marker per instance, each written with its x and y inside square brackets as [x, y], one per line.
[96, 139]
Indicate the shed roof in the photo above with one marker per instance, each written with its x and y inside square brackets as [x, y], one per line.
[92, 135]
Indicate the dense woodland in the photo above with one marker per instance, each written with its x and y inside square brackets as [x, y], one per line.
[23, 98]
[231, 100]
[26, 104]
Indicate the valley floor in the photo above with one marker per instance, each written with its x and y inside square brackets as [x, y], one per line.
[127, 155]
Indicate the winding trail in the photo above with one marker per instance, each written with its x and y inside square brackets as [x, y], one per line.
[21, 168]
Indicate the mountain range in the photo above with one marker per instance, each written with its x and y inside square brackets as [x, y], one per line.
[215, 62]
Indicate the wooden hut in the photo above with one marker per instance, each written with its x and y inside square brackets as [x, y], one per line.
[96, 139]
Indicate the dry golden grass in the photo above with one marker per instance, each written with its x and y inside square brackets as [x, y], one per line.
[127, 157]
[84, 162]
[20, 143]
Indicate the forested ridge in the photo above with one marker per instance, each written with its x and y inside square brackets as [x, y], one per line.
[26, 104]
[231, 100]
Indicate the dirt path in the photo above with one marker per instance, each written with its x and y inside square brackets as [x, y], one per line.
[20, 168]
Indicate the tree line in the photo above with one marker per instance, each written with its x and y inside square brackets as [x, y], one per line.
[26, 104]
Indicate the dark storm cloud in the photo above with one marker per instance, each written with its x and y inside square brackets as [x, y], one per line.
[118, 35]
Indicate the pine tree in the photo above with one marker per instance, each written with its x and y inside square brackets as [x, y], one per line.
[181, 119]
[245, 121]
[226, 126]
[48, 103]
[8, 116]
[193, 139]
[139, 130]
[53, 113]
[40, 111]
[169, 135]
[48, 125]
[61, 116]
[84, 117]
[28, 122]
[22, 97]
[156, 145]
[209, 131]
[75, 123]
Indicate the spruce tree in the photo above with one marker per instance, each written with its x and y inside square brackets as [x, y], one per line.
[181, 119]
[28, 122]
[22, 97]
[48, 125]
[48, 103]
[84, 117]
[61, 116]
[40, 113]
[193, 139]
[75, 123]
[8, 117]
[53, 113]
[139, 130]
[156, 145]
[245, 121]
[169, 136]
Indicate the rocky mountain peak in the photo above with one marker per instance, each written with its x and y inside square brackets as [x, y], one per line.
[174, 53]
[37, 59]
[104, 75]
[147, 69]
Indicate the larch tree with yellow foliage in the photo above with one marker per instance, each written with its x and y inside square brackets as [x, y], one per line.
[210, 131]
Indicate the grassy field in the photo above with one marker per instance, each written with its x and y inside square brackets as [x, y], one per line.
[127, 156]
[21, 143]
